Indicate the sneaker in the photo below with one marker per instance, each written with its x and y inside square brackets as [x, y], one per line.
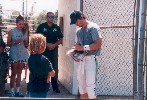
[12, 94]
[57, 90]
[19, 94]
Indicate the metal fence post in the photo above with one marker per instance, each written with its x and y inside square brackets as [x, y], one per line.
[136, 50]
[146, 63]
[141, 52]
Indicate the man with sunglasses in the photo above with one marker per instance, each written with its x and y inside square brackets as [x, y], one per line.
[54, 37]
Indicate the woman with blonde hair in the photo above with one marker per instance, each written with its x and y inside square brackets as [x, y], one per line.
[40, 68]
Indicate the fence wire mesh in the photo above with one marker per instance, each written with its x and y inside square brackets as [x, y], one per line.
[116, 19]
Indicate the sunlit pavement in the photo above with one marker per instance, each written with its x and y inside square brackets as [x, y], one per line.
[64, 93]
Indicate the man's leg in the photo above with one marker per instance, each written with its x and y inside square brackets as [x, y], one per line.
[54, 80]
[90, 68]
[81, 82]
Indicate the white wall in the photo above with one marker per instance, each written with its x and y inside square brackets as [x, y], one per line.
[67, 74]
[115, 71]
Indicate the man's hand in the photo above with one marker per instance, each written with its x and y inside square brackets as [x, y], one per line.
[78, 47]
[51, 46]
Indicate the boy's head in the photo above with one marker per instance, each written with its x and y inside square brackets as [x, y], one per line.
[2, 46]
[37, 43]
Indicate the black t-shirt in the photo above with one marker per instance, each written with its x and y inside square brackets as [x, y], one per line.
[39, 67]
[52, 33]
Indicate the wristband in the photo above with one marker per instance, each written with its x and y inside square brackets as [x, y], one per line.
[86, 47]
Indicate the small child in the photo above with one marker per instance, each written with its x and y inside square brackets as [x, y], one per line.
[40, 68]
[3, 68]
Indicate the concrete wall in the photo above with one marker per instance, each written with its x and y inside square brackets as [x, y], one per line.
[67, 74]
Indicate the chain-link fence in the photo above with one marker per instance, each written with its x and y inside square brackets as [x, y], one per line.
[116, 75]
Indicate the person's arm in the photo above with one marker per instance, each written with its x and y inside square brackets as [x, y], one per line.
[9, 42]
[60, 40]
[9, 39]
[39, 29]
[97, 41]
[96, 45]
[50, 74]
[48, 69]
[53, 46]
[26, 40]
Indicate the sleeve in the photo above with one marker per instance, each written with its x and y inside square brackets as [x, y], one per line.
[29, 64]
[25, 35]
[47, 65]
[39, 29]
[77, 39]
[96, 34]
[60, 35]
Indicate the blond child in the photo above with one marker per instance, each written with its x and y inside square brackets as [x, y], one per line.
[40, 68]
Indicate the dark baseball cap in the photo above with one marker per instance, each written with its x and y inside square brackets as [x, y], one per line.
[2, 44]
[74, 16]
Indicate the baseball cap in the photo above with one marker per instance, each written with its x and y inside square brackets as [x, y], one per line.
[74, 16]
[2, 44]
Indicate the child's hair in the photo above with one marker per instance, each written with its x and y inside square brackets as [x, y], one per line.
[37, 43]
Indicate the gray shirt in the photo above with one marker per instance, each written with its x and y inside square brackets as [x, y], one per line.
[87, 36]
[18, 52]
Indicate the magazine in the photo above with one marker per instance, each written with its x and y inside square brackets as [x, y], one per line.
[76, 55]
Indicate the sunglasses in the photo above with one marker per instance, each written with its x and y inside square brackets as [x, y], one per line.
[52, 17]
